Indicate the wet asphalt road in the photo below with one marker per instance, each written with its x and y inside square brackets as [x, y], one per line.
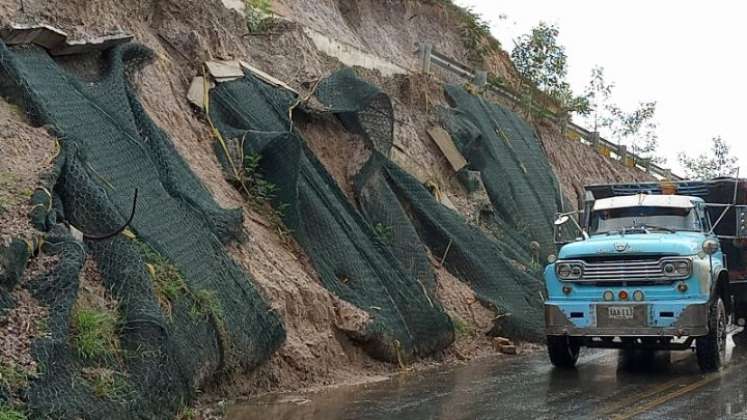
[606, 384]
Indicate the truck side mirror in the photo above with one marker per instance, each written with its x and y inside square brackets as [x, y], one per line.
[566, 229]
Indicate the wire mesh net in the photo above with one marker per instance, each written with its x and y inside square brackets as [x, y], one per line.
[110, 147]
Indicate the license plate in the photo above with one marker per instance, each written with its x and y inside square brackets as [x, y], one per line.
[620, 312]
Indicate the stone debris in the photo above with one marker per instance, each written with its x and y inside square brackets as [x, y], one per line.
[445, 143]
[224, 71]
[505, 346]
[91, 45]
[196, 93]
[56, 41]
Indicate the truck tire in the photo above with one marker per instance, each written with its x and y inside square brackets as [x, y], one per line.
[563, 350]
[711, 348]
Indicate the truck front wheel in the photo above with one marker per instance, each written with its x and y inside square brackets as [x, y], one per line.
[711, 348]
[563, 350]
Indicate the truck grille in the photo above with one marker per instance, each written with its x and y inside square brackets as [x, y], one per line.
[637, 270]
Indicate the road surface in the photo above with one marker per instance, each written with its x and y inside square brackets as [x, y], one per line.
[606, 384]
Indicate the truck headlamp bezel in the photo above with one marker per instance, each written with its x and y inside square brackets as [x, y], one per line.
[677, 267]
[569, 270]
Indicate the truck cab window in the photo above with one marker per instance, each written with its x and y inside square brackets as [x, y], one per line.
[644, 218]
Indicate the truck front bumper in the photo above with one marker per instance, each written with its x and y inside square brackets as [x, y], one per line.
[592, 320]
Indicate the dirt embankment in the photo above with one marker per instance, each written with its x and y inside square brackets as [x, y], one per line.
[184, 33]
[576, 164]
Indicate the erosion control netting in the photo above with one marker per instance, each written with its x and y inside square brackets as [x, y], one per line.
[513, 166]
[175, 331]
[350, 256]
[500, 272]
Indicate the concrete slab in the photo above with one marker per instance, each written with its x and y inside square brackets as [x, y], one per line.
[45, 36]
[224, 71]
[84, 46]
[444, 142]
[266, 77]
[196, 93]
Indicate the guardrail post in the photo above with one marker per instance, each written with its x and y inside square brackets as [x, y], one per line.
[594, 139]
[622, 151]
[481, 78]
[426, 50]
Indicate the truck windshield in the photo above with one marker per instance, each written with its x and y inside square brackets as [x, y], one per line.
[643, 218]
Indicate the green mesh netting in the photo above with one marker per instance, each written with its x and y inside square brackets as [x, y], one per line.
[501, 272]
[110, 148]
[513, 166]
[501, 276]
[351, 257]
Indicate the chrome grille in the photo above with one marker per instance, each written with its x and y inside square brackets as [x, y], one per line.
[638, 270]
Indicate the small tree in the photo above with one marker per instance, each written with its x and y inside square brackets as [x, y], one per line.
[598, 94]
[717, 163]
[542, 62]
[637, 130]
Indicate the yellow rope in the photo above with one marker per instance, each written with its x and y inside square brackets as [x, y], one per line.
[214, 131]
[57, 150]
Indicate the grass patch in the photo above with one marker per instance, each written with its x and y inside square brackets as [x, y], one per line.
[11, 413]
[168, 281]
[259, 16]
[95, 333]
[475, 31]
[206, 303]
[385, 233]
[461, 328]
[107, 384]
[14, 377]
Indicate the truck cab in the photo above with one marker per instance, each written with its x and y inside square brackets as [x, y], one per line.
[646, 271]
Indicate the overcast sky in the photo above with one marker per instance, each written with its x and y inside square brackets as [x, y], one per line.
[688, 56]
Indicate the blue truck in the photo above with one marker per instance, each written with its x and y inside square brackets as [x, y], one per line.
[656, 266]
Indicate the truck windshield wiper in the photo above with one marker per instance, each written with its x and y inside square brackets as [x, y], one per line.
[666, 229]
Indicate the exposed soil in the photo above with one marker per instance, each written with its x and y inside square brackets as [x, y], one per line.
[182, 34]
[576, 164]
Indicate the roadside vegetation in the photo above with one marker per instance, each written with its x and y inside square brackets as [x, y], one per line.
[718, 162]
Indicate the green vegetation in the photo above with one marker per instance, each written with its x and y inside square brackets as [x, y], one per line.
[475, 30]
[385, 233]
[11, 413]
[168, 281]
[14, 377]
[636, 129]
[188, 413]
[719, 162]
[259, 16]
[206, 303]
[107, 384]
[95, 333]
[461, 329]
[259, 189]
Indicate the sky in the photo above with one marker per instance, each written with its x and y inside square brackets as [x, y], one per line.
[689, 56]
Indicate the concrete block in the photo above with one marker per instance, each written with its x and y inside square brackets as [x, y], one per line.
[196, 93]
[224, 71]
[444, 142]
[91, 45]
[44, 36]
[266, 77]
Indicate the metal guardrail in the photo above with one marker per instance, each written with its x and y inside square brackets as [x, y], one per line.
[605, 147]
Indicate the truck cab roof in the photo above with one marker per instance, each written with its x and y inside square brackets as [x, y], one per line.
[646, 200]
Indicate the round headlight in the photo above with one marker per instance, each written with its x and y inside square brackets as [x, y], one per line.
[710, 246]
[669, 269]
[683, 268]
[564, 270]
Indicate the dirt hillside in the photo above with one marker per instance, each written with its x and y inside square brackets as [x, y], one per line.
[183, 34]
